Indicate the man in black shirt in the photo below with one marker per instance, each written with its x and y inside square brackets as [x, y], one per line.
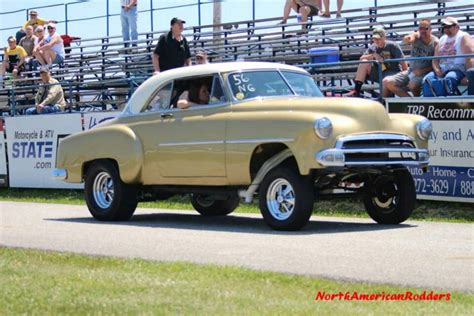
[172, 50]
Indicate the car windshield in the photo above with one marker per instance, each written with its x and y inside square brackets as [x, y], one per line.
[252, 84]
[302, 84]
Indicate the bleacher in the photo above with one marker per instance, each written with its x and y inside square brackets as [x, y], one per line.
[99, 74]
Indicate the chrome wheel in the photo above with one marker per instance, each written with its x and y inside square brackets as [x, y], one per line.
[386, 197]
[103, 190]
[281, 199]
[203, 200]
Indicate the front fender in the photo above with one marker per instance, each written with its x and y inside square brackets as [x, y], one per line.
[116, 142]
[406, 124]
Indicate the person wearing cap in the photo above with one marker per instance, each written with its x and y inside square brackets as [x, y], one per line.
[423, 44]
[381, 50]
[201, 57]
[51, 48]
[34, 21]
[128, 18]
[50, 95]
[14, 59]
[172, 50]
[453, 42]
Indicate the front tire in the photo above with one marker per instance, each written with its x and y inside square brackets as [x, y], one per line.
[207, 206]
[286, 199]
[107, 197]
[391, 197]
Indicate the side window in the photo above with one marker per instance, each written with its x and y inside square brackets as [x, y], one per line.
[161, 101]
[217, 92]
[197, 91]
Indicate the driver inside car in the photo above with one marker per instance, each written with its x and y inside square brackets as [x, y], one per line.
[198, 94]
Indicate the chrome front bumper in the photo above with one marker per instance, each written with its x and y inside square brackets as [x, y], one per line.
[373, 150]
[59, 174]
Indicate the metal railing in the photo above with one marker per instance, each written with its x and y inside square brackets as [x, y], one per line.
[107, 16]
[379, 65]
[133, 82]
[69, 85]
[152, 9]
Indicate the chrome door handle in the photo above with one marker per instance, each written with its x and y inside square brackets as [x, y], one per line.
[167, 115]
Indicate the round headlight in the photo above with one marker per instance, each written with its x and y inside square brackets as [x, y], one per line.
[323, 127]
[424, 129]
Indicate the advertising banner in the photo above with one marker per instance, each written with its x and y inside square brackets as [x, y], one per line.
[3, 157]
[450, 176]
[92, 119]
[32, 142]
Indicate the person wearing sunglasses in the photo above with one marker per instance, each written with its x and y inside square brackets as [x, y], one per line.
[423, 44]
[34, 21]
[51, 48]
[453, 42]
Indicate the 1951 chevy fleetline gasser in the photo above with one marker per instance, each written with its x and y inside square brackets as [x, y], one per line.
[263, 129]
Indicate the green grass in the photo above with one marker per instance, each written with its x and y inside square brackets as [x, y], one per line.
[425, 210]
[39, 282]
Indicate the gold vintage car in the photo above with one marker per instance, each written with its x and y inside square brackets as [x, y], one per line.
[243, 129]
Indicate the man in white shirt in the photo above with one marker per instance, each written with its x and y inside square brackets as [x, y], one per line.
[453, 42]
[51, 48]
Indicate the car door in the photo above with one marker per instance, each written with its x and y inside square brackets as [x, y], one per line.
[192, 141]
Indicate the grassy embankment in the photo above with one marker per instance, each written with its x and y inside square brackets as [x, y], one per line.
[39, 282]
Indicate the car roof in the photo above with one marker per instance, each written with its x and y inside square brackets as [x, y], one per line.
[150, 85]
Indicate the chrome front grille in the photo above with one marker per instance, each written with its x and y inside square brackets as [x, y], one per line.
[373, 149]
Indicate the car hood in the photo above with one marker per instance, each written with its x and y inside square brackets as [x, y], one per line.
[354, 109]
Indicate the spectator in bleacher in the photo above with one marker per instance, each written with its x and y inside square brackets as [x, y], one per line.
[172, 50]
[453, 42]
[128, 18]
[201, 57]
[51, 48]
[289, 4]
[14, 59]
[39, 32]
[34, 21]
[28, 43]
[380, 50]
[423, 44]
[470, 81]
[50, 95]
[308, 8]
[327, 13]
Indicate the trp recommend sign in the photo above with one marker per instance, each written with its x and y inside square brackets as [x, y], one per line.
[32, 142]
[450, 176]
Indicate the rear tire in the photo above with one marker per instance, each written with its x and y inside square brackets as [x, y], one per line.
[107, 197]
[391, 197]
[286, 199]
[209, 207]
